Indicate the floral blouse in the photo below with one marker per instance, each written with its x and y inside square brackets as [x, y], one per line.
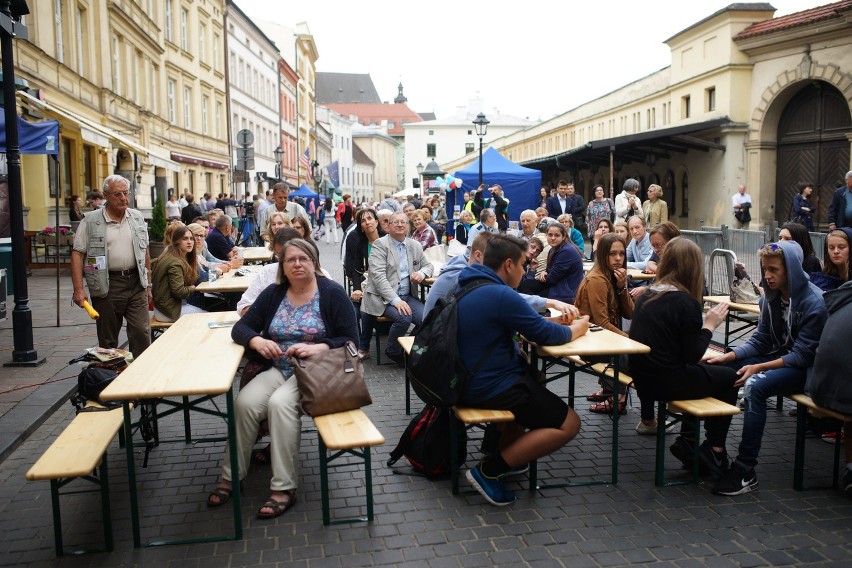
[292, 325]
[597, 210]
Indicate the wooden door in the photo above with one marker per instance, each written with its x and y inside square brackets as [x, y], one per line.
[812, 148]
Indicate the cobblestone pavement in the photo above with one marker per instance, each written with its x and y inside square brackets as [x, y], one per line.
[419, 522]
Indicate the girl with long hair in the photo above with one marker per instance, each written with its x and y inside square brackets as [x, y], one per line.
[669, 319]
[174, 275]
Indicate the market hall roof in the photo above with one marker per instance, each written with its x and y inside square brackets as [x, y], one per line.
[636, 147]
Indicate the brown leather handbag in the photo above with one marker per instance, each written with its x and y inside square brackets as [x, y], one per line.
[331, 381]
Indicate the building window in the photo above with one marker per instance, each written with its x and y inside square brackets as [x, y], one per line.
[187, 107]
[171, 101]
[391, 125]
[469, 132]
[711, 99]
[89, 182]
[82, 42]
[685, 104]
[468, 148]
[152, 103]
[57, 21]
[169, 30]
[116, 65]
[431, 150]
[205, 102]
[202, 46]
[184, 30]
[215, 51]
[218, 120]
[431, 133]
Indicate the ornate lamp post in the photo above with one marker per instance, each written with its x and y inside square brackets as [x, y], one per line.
[420, 174]
[481, 124]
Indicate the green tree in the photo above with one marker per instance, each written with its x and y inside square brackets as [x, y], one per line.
[157, 227]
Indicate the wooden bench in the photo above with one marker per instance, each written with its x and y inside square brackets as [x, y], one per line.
[699, 409]
[347, 433]
[158, 327]
[805, 404]
[80, 451]
[470, 418]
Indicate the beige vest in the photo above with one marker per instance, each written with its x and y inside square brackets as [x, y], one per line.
[98, 280]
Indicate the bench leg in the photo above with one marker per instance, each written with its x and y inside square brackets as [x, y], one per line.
[57, 517]
[368, 478]
[454, 453]
[660, 466]
[187, 433]
[106, 511]
[799, 461]
[323, 456]
[696, 459]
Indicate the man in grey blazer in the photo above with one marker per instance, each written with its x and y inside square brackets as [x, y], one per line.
[396, 266]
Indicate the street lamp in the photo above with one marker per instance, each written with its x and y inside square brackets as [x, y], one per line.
[420, 174]
[481, 124]
[279, 154]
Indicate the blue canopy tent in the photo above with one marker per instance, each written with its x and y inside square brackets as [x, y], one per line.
[521, 185]
[304, 191]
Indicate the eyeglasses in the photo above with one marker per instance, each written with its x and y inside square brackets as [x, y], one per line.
[198, 236]
[398, 222]
[297, 260]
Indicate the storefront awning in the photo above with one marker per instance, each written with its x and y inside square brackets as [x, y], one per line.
[100, 135]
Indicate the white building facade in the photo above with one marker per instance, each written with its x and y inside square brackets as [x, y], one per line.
[254, 96]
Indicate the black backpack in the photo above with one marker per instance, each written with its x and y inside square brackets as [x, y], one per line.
[426, 442]
[434, 367]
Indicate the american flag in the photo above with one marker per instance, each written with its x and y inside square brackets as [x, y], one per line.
[305, 160]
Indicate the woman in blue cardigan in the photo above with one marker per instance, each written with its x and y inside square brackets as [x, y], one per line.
[302, 315]
[564, 265]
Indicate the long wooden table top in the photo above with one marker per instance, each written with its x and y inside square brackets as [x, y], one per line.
[230, 281]
[603, 342]
[257, 254]
[190, 358]
[750, 308]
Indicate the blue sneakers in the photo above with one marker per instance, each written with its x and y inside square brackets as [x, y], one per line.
[491, 489]
[522, 469]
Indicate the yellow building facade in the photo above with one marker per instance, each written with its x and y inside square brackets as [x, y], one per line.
[138, 87]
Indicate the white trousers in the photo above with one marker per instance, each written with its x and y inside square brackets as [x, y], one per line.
[269, 397]
[330, 228]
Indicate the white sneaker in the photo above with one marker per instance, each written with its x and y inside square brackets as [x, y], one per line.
[646, 430]
[363, 354]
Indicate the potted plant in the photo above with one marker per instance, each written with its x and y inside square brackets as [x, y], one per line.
[157, 228]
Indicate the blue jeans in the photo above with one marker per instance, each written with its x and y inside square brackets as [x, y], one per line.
[758, 388]
[402, 322]
[368, 322]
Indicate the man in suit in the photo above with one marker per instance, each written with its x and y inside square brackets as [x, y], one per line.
[566, 201]
[397, 266]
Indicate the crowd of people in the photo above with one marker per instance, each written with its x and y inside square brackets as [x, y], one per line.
[293, 309]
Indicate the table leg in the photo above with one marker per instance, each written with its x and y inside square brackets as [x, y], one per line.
[727, 330]
[131, 476]
[615, 416]
[235, 466]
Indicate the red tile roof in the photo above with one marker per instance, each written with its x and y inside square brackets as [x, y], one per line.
[818, 14]
[398, 113]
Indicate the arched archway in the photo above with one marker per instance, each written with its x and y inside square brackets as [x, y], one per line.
[813, 147]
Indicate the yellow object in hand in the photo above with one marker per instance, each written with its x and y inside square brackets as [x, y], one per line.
[93, 313]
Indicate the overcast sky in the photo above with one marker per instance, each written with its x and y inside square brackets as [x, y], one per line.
[535, 61]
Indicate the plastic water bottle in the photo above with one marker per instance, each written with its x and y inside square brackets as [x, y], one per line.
[212, 275]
